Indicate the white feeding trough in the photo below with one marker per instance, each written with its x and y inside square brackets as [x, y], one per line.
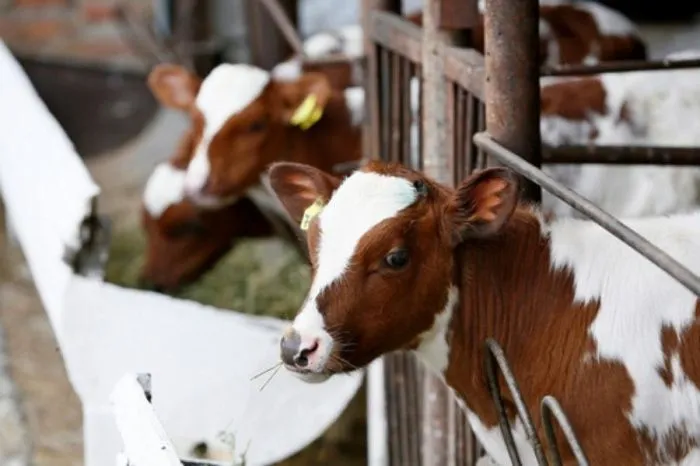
[201, 358]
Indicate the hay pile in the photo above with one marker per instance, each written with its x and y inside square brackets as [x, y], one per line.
[248, 279]
[262, 277]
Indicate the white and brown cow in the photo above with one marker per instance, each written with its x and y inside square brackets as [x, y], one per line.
[643, 108]
[402, 262]
[243, 119]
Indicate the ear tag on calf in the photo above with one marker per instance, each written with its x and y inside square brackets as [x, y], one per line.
[308, 113]
[310, 213]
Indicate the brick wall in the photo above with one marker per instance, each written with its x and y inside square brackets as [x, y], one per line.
[71, 30]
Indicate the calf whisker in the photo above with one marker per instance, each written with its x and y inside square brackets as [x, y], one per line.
[274, 373]
[276, 366]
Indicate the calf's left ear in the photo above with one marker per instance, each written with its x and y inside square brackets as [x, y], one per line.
[302, 189]
[482, 204]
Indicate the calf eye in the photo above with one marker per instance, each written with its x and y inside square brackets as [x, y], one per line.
[396, 259]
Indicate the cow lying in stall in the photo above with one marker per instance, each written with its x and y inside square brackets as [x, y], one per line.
[401, 262]
[185, 238]
[652, 108]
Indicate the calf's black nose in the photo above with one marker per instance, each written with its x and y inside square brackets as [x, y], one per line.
[289, 346]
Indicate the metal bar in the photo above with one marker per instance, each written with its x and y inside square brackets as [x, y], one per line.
[395, 33]
[472, 127]
[407, 72]
[550, 407]
[512, 90]
[619, 67]
[267, 46]
[371, 131]
[494, 356]
[285, 25]
[583, 205]
[624, 155]
[392, 386]
[385, 106]
[395, 108]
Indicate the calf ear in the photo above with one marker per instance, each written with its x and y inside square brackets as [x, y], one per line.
[174, 86]
[301, 103]
[299, 186]
[482, 204]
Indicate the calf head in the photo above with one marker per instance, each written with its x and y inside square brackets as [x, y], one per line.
[184, 241]
[241, 121]
[382, 245]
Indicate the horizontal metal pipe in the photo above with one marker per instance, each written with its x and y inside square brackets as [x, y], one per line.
[621, 155]
[619, 67]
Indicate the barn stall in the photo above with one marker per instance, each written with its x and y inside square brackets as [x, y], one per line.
[473, 116]
[201, 358]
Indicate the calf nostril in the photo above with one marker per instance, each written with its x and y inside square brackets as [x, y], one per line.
[302, 360]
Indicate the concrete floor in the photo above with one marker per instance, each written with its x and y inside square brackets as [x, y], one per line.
[40, 417]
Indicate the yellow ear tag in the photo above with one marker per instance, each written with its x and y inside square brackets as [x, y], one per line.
[310, 213]
[308, 113]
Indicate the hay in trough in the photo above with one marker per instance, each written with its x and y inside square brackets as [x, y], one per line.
[262, 277]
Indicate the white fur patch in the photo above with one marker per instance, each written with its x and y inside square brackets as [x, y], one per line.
[289, 70]
[492, 441]
[609, 21]
[227, 90]
[165, 187]
[637, 300]
[434, 347]
[362, 201]
[355, 99]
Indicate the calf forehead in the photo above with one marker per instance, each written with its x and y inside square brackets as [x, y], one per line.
[227, 90]
[361, 202]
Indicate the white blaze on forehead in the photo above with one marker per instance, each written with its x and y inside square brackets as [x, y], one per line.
[227, 90]
[362, 201]
[165, 187]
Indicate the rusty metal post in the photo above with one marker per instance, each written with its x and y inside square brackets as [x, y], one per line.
[438, 163]
[512, 91]
[370, 134]
[268, 46]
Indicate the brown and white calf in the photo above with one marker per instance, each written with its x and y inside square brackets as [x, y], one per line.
[647, 108]
[244, 119]
[184, 241]
[402, 262]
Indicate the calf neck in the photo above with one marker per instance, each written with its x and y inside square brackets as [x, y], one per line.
[401, 262]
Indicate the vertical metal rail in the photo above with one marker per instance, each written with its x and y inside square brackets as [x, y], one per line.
[512, 91]
[268, 45]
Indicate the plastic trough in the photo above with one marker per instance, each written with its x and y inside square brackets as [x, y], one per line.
[201, 358]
